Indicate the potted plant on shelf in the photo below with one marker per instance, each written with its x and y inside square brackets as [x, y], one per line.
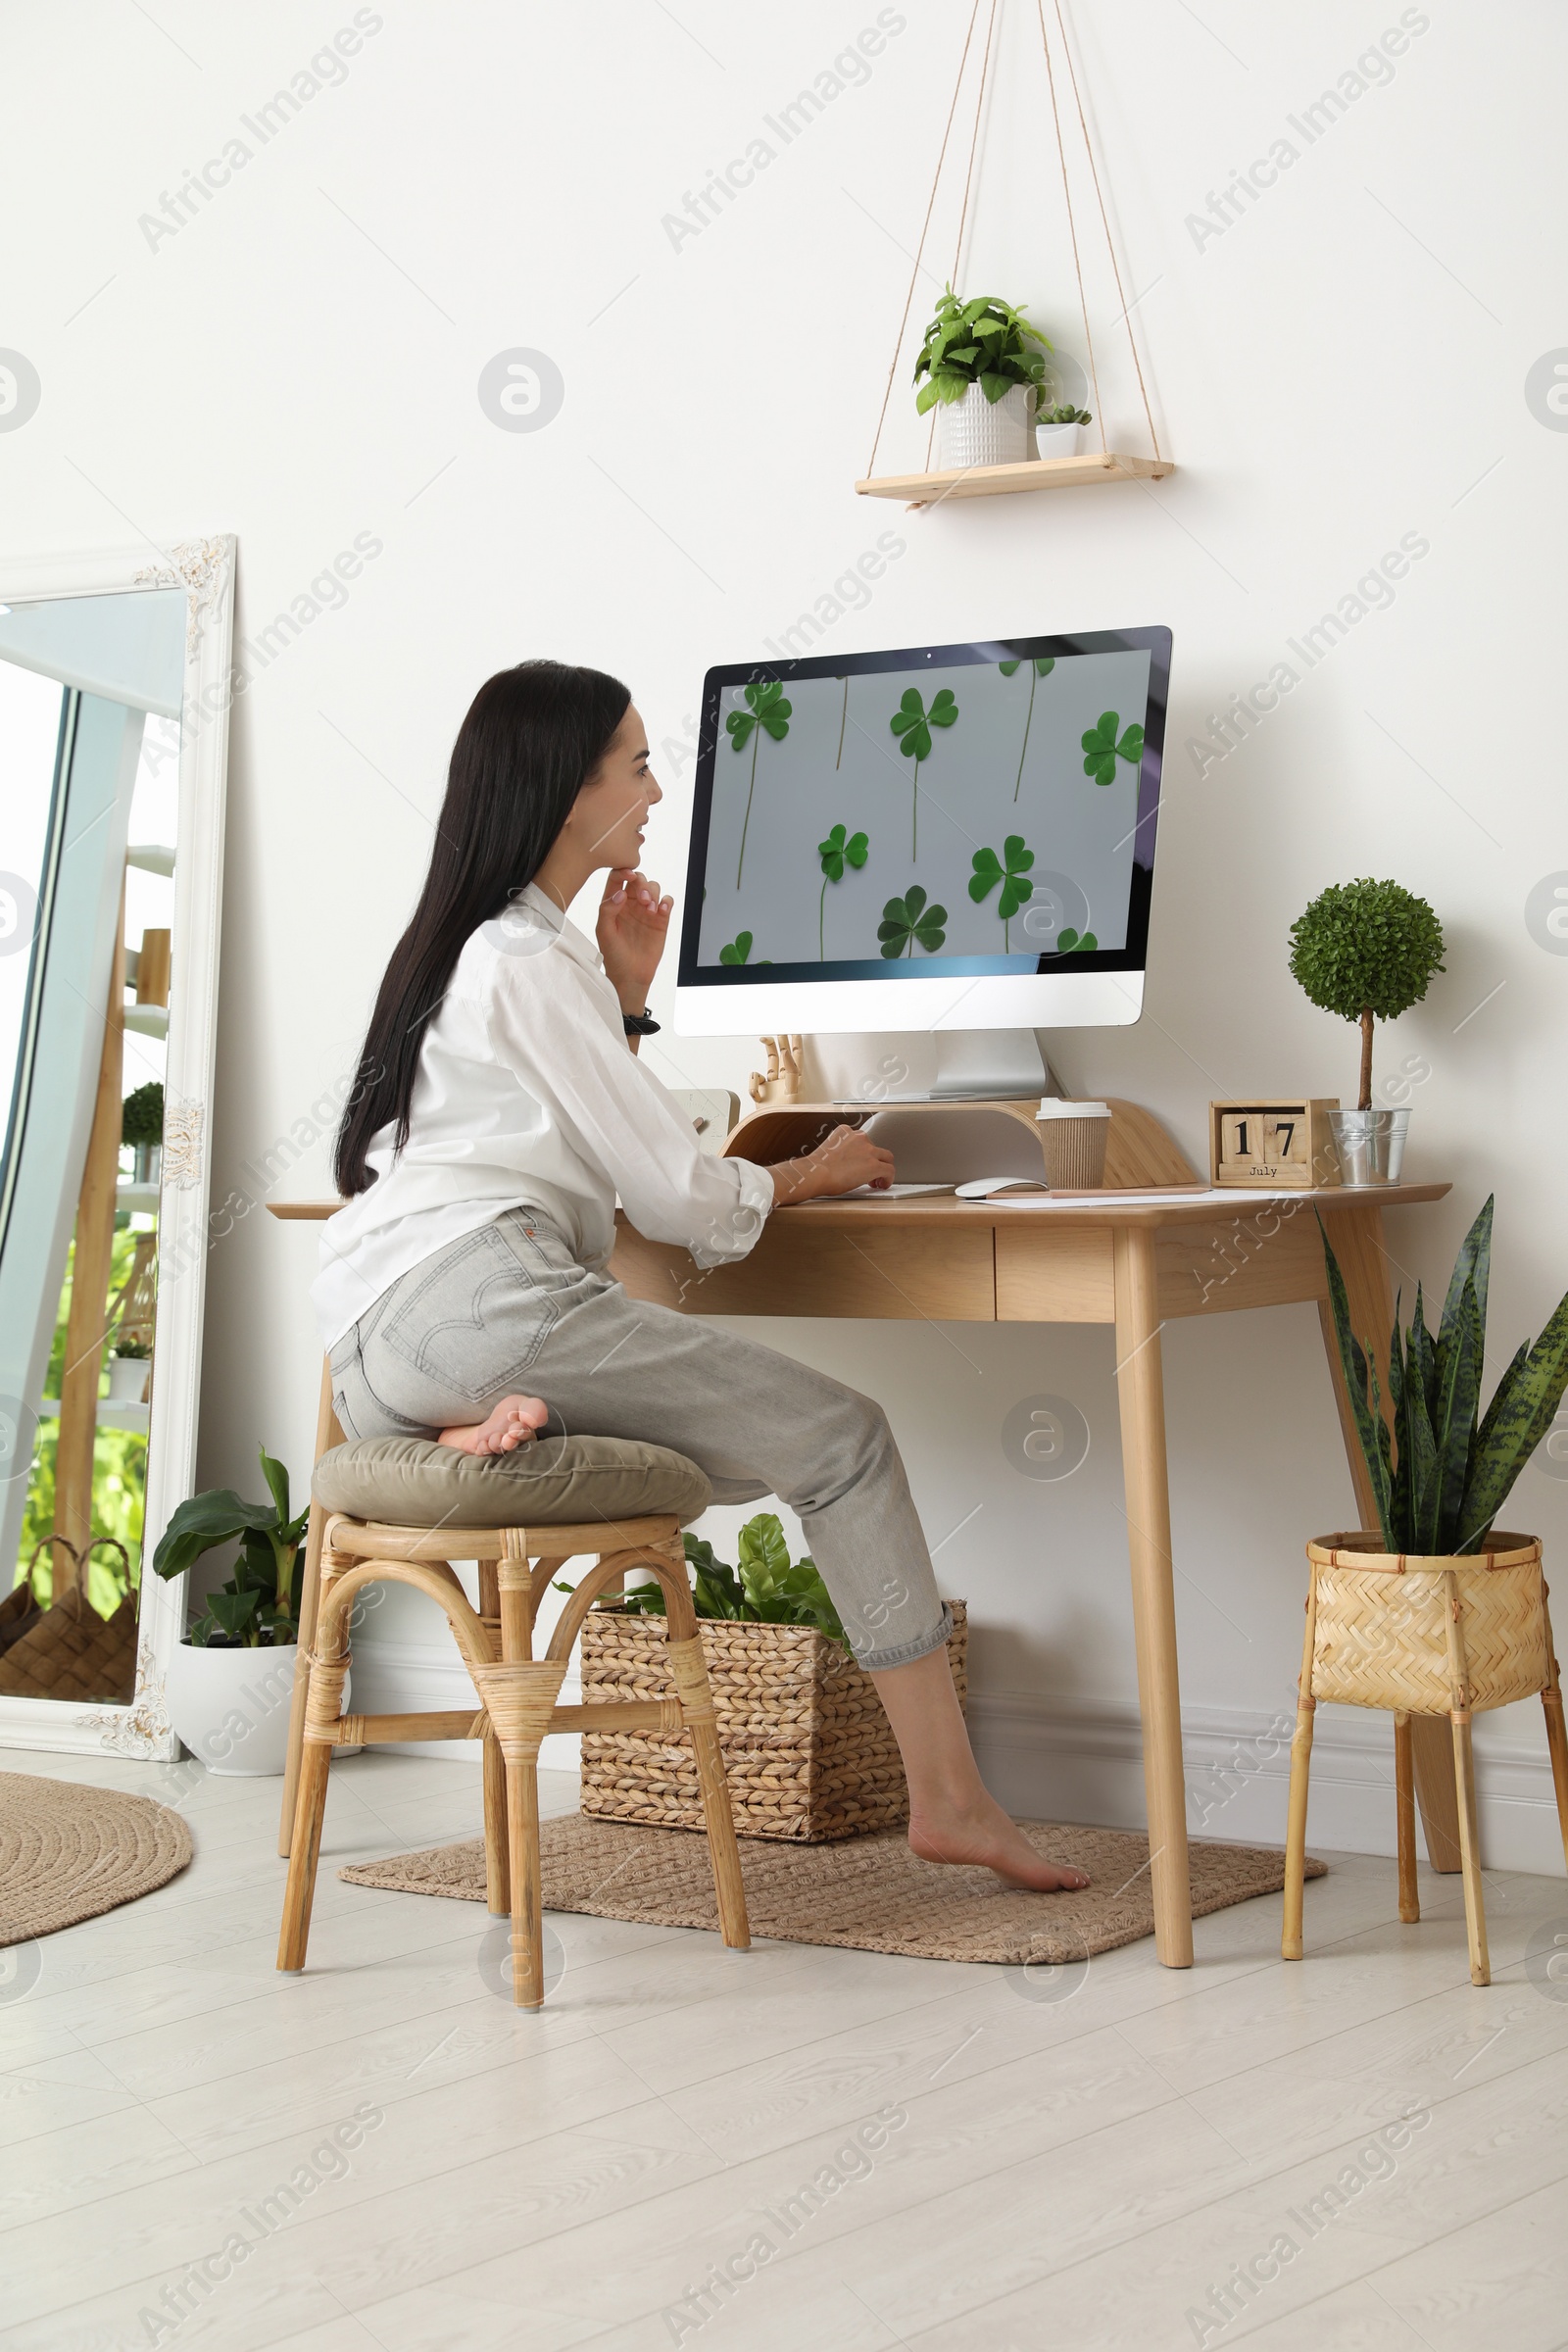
[1366, 950]
[1058, 431]
[1432, 1612]
[231, 1679]
[809, 1753]
[129, 1362]
[979, 365]
[141, 1126]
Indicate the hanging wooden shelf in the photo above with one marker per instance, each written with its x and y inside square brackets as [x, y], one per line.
[1034, 473]
[934, 487]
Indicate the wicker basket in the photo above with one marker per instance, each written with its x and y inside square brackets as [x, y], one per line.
[1381, 1630]
[809, 1752]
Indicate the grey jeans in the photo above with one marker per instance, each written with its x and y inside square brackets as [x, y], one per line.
[507, 1308]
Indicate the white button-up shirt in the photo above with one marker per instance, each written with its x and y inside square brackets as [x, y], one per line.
[526, 1094]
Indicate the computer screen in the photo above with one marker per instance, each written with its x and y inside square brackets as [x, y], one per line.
[948, 812]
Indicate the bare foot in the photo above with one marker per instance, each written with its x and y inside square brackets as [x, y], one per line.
[985, 1834]
[511, 1423]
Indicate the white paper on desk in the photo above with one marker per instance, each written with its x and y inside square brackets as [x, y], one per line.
[1222, 1197]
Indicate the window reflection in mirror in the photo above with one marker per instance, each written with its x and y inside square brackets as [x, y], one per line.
[90, 757]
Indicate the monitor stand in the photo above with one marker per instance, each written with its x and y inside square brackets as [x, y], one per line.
[943, 1066]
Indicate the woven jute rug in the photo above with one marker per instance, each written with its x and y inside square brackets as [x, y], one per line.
[68, 1853]
[870, 1894]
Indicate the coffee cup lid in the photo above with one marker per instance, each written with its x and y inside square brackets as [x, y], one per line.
[1052, 1108]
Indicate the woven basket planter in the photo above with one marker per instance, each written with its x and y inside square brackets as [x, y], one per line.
[1381, 1636]
[809, 1752]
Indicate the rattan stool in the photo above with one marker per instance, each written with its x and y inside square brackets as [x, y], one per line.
[517, 1693]
[1450, 1637]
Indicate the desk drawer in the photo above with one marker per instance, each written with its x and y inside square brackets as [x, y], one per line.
[1060, 1277]
[907, 1274]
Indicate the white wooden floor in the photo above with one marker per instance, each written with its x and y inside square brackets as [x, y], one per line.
[1065, 2163]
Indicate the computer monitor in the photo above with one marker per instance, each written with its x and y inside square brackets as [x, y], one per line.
[953, 837]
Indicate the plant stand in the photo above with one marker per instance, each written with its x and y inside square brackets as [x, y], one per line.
[1421, 1638]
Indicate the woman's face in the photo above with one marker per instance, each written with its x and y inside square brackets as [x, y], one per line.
[608, 815]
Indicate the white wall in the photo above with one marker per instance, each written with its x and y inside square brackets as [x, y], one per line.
[1343, 367]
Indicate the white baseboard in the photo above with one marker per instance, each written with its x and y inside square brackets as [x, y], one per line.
[1073, 1759]
[1076, 1759]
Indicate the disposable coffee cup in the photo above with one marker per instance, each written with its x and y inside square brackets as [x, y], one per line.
[1073, 1136]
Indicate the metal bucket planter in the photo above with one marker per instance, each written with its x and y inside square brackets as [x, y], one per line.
[1369, 1144]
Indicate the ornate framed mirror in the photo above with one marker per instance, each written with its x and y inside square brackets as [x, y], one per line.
[115, 692]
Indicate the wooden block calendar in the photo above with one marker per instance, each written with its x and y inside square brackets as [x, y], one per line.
[1282, 1143]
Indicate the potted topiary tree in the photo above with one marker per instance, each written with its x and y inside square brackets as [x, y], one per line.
[141, 1126]
[1366, 950]
[981, 368]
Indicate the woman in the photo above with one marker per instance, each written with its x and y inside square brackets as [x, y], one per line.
[501, 1109]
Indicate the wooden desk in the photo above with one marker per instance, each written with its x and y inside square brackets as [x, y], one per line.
[1135, 1265]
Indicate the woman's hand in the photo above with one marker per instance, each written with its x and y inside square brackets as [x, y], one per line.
[845, 1162]
[633, 924]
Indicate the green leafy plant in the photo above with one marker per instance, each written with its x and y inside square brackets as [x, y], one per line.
[984, 342]
[1103, 751]
[259, 1604]
[739, 950]
[126, 1350]
[1011, 870]
[767, 1589]
[1069, 942]
[1064, 413]
[142, 1116]
[835, 852]
[908, 919]
[1443, 1473]
[1039, 669]
[1366, 950]
[913, 724]
[768, 715]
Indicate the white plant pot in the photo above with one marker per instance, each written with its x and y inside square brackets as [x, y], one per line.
[127, 1379]
[976, 431]
[1059, 440]
[232, 1707]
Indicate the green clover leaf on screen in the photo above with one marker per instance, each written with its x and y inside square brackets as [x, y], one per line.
[1104, 751]
[1011, 870]
[768, 715]
[1069, 943]
[913, 724]
[1041, 667]
[835, 854]
[739, 950]
[908, 919]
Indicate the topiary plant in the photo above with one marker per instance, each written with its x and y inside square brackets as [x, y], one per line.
[1366, 950]
[142, 1116]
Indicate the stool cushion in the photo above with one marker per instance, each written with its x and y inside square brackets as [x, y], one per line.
[411, 1482]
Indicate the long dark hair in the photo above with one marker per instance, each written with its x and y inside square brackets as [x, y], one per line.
[532, 738]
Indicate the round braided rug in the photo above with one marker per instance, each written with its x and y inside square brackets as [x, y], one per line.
[68, 1853]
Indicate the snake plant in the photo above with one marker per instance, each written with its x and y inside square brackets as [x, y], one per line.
[1442, 1474]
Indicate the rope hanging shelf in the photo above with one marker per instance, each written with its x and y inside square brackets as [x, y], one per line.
[934, 486]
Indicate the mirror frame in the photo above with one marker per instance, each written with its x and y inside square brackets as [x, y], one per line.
[205, 569]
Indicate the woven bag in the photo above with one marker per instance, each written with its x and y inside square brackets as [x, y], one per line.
[809, 1752]
[1381, 1631]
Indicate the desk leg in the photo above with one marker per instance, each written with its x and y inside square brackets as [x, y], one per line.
[327, 1435]
[1357, 1238]
[1140, 1382]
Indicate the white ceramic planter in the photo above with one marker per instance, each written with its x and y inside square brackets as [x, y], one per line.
[127, 1379]
[232, 1707]
[1059, 440]
[976, 431]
